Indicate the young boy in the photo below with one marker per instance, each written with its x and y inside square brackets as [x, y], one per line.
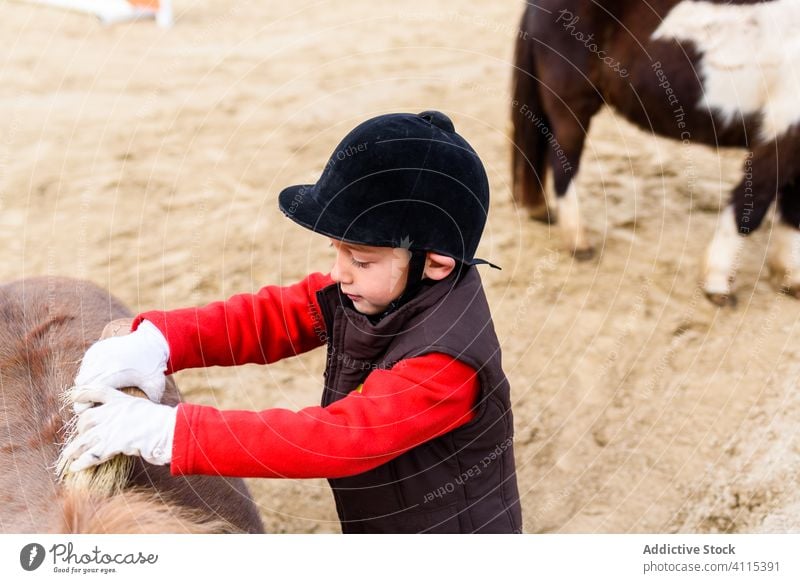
[415, 429]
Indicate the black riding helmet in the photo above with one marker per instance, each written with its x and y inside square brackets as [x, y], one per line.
[399, 180]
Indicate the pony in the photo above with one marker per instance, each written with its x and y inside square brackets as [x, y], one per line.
[46, 325]
[720, 73]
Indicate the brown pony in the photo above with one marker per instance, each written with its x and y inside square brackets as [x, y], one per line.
[46, 325]
[722, 73]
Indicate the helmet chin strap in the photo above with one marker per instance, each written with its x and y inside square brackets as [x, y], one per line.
[416, 271]
[415, 283]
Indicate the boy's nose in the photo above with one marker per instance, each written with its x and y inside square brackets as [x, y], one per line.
[340, 273]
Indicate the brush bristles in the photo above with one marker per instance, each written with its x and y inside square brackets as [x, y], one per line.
[106, 479]
[99, 499]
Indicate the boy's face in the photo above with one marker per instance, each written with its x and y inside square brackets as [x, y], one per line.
[372, 277]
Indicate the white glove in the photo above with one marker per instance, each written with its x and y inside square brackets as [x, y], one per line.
[138, 359]
[120, 424]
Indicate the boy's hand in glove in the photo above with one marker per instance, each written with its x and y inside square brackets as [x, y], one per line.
[138, 359]
[119, 424]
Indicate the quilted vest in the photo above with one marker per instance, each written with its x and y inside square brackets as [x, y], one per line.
[463, 481]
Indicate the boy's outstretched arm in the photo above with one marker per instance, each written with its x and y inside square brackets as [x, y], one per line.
[269, 325]
[396, 410]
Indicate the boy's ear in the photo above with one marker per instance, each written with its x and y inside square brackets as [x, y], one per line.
[437, 267]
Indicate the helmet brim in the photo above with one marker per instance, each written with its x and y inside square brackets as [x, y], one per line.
[299, 204]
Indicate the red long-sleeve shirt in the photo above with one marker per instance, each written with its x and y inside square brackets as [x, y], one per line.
[395, 410]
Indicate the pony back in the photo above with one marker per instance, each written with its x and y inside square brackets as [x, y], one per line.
[46, 325]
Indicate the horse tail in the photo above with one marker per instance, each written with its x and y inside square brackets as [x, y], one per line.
[529, 121]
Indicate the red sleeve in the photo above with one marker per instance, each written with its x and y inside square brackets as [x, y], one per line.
[258, 328]
[396, 410]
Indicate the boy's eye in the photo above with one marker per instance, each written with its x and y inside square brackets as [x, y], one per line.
[359, 264]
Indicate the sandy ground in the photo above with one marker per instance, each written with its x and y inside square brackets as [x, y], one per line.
[149, 162]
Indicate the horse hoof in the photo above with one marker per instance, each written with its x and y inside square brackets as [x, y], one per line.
[583, 254]
[721, 300]
[542, 214]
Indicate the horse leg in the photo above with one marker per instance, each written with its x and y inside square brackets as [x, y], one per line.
[570, 125]
[784, 252]
[528, 119]
[749, 204]
[722, 257]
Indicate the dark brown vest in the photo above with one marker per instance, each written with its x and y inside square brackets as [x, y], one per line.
[463, 481]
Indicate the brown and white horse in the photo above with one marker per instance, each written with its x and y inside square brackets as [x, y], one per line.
[46, 325]
[722, 73]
